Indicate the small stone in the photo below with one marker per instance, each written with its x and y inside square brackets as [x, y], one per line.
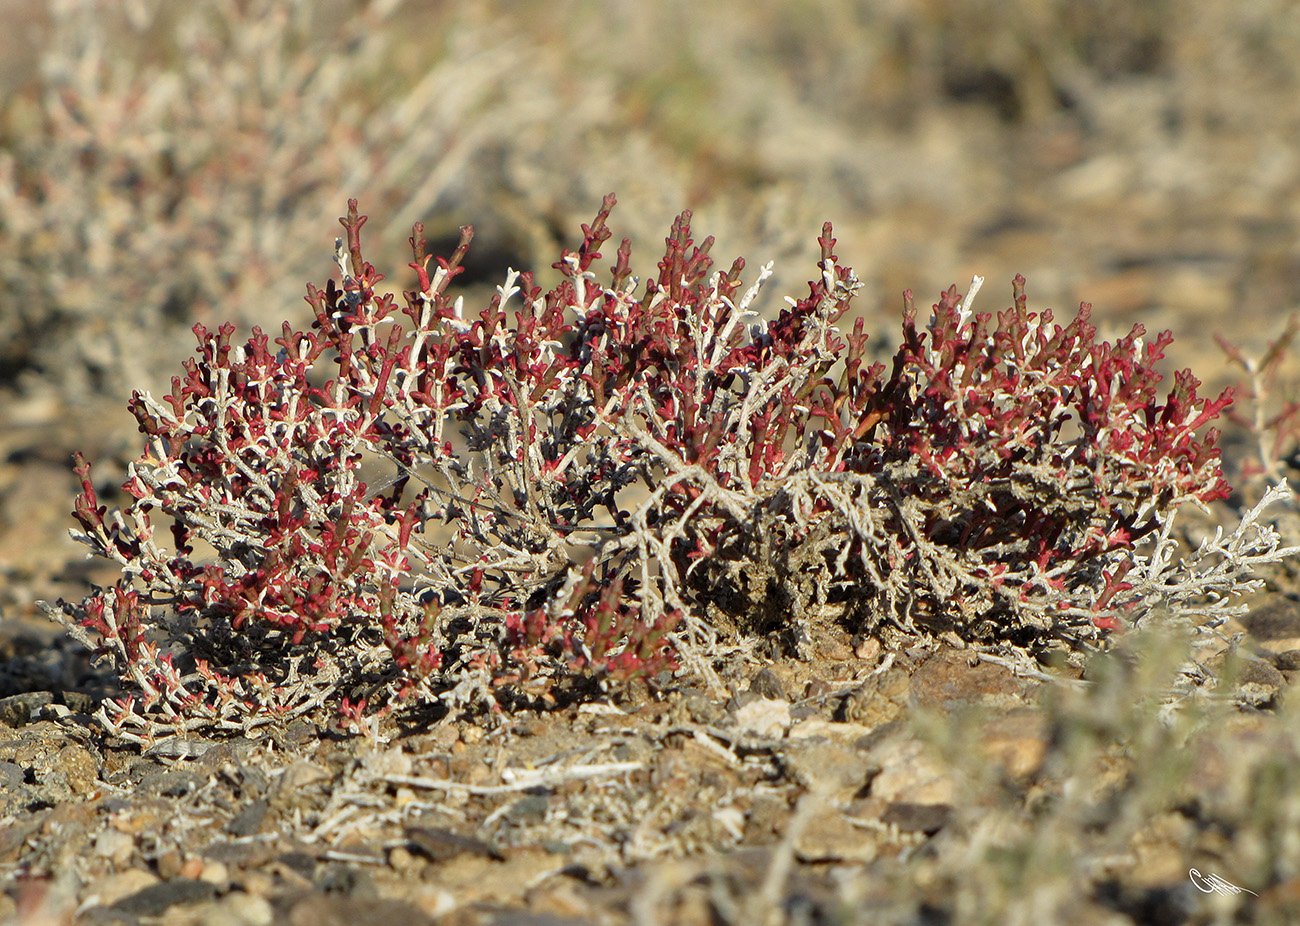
[300, 864]
[910, 772]
[170, 864]
[1259, 672]
[767, 812]
[816, 728]
[348, 881]
[109, 890]
[13, 835]
[61, 769]
[11, 777]
[240, 909]
[248, 819]
[765, 717]
[440, 739]
[832, 769]
[214, 872]
[295, 786]
[114, 846]
[917, 818]
[529, 809]
[79, 702]
[818, 688]
[55, 712]
[1258, 683]
[947, 678]
[1288, 661]
[17, 710]
[433, 901]
[137, 819]
[878, 700]
[327, 910]
[741, 698]
[767, 684]
[392, 761]
[402, 861]
[1279, 619]
[157, 898]
[702, 709]
[868, 650]
[1018, 741]
[257, 883]
[438, 845]
[177, 747]
[1160, 849]
[172, 782]
[829, 837]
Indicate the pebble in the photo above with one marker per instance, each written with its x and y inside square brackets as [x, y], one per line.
[389, 762]
[837, 771]
[947, 679]
[1275, 624]
[878, 700]
[1288, 660]
[868, 650]
[323, 910]
[433, 901]
[699, 707]
[829, 836]
[294, 787]
[170, 864]
[917, 818]
[911, 772]
[439, 845]
[115, 846]
[1258, 683]
[257, 883]
[1018, 741]
[155, 899]
[110, 889]
[767, 684]
[59, 766]
[766, 717]
[402, 861]
[248, 819]
[214, 872]
[238, 909]
[17, 710]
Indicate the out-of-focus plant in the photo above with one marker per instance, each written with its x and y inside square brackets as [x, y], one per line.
[1273, 418]
[170, 160]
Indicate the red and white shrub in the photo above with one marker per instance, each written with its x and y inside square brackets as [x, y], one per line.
[503, 506]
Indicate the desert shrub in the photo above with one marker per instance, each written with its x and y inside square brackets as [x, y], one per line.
[567, 487]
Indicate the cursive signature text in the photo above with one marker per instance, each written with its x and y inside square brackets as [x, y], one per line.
[1213, 884]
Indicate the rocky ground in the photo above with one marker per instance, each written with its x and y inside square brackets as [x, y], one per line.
[856, 787]
[1146, 166]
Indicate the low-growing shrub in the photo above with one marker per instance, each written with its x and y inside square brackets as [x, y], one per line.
[517, 505]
